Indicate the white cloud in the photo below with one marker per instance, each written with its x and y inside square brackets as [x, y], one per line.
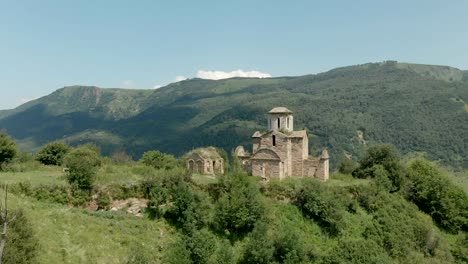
[157, 86]
[216, 75]
[127, 84]
[180, 78]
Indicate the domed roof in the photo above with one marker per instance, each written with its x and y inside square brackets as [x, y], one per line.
[280, 110]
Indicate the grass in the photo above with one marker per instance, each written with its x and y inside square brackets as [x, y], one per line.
[204, 179]
[70, 235]
[44, 175]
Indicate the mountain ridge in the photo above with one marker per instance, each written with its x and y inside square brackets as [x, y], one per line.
[416, 107]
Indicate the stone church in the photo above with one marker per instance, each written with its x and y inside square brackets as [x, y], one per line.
[282, 152]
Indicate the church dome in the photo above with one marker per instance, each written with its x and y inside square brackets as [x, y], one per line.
[280, 110]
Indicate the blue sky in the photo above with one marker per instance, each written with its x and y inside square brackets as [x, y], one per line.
[45, 45]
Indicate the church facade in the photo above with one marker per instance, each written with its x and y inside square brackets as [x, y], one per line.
[282, 152]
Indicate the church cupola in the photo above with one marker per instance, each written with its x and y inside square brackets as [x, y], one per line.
[280, 119]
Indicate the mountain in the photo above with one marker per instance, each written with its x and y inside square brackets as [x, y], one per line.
[418, 108]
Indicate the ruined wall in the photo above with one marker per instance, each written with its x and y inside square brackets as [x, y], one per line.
[323, 172]
[318, 168]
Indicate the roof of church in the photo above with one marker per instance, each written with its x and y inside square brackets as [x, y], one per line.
[293, 134]
[300, 134]
[206, 153]
[280, 110]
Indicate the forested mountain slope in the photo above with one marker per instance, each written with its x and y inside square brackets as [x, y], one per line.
[418, 108]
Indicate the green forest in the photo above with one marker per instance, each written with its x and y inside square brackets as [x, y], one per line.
[73, 205]
[418, 108]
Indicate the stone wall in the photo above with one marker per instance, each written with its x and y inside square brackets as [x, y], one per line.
[297, 157]
[267, 169]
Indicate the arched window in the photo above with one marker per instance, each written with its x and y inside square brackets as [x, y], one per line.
[288, 122]
[274, 140]
[278, 122]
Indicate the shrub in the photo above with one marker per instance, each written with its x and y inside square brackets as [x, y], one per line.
[82, 163]
[347, 166]
[103, 202]
[177, 253]
[325, 205]
[172, 195]
[22, 245]
[239, 207]
[52, 193]
[53, 153]
[8, 149]
[159, 160]
[399, 228]
[385, 156]
[357, 251]
[259, 248]
[201, 245]
[224, 254]
[460, 250]
[434, 193]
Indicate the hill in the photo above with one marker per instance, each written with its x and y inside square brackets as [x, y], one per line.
[418, 108]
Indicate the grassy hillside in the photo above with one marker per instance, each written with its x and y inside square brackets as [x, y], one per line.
[418, 108]
[373, 226]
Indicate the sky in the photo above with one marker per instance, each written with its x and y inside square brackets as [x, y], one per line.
[47, 44]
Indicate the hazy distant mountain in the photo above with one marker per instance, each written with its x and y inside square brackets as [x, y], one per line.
[420, 108]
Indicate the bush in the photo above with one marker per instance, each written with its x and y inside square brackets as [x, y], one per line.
[103, 202]
[52, 193]
[53, 153]
[177, 253]
[172, 195]
[8, 149]
[347, 166]
[239, 207]
[201, 245]
[385, 156]
[22, 245]
[82, 163]
[434, 193]
[159, 160]
[224, 254]
[460, 250]
[357, 251]
[325, 205]
[399, 228]
[259, 248]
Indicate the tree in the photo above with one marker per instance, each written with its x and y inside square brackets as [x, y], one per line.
[239, 207]
[53, 153]
[259, 249]
[81, 166]
[8, 148]
[347, 166]
[385, 155]
[159, 160]
[436, 195]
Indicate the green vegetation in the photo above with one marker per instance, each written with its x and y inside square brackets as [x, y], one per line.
[159, 160]
[81, 166]
[387, 210]
[22, 245]
[417, 108]
[53, 153]
[8, 149]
